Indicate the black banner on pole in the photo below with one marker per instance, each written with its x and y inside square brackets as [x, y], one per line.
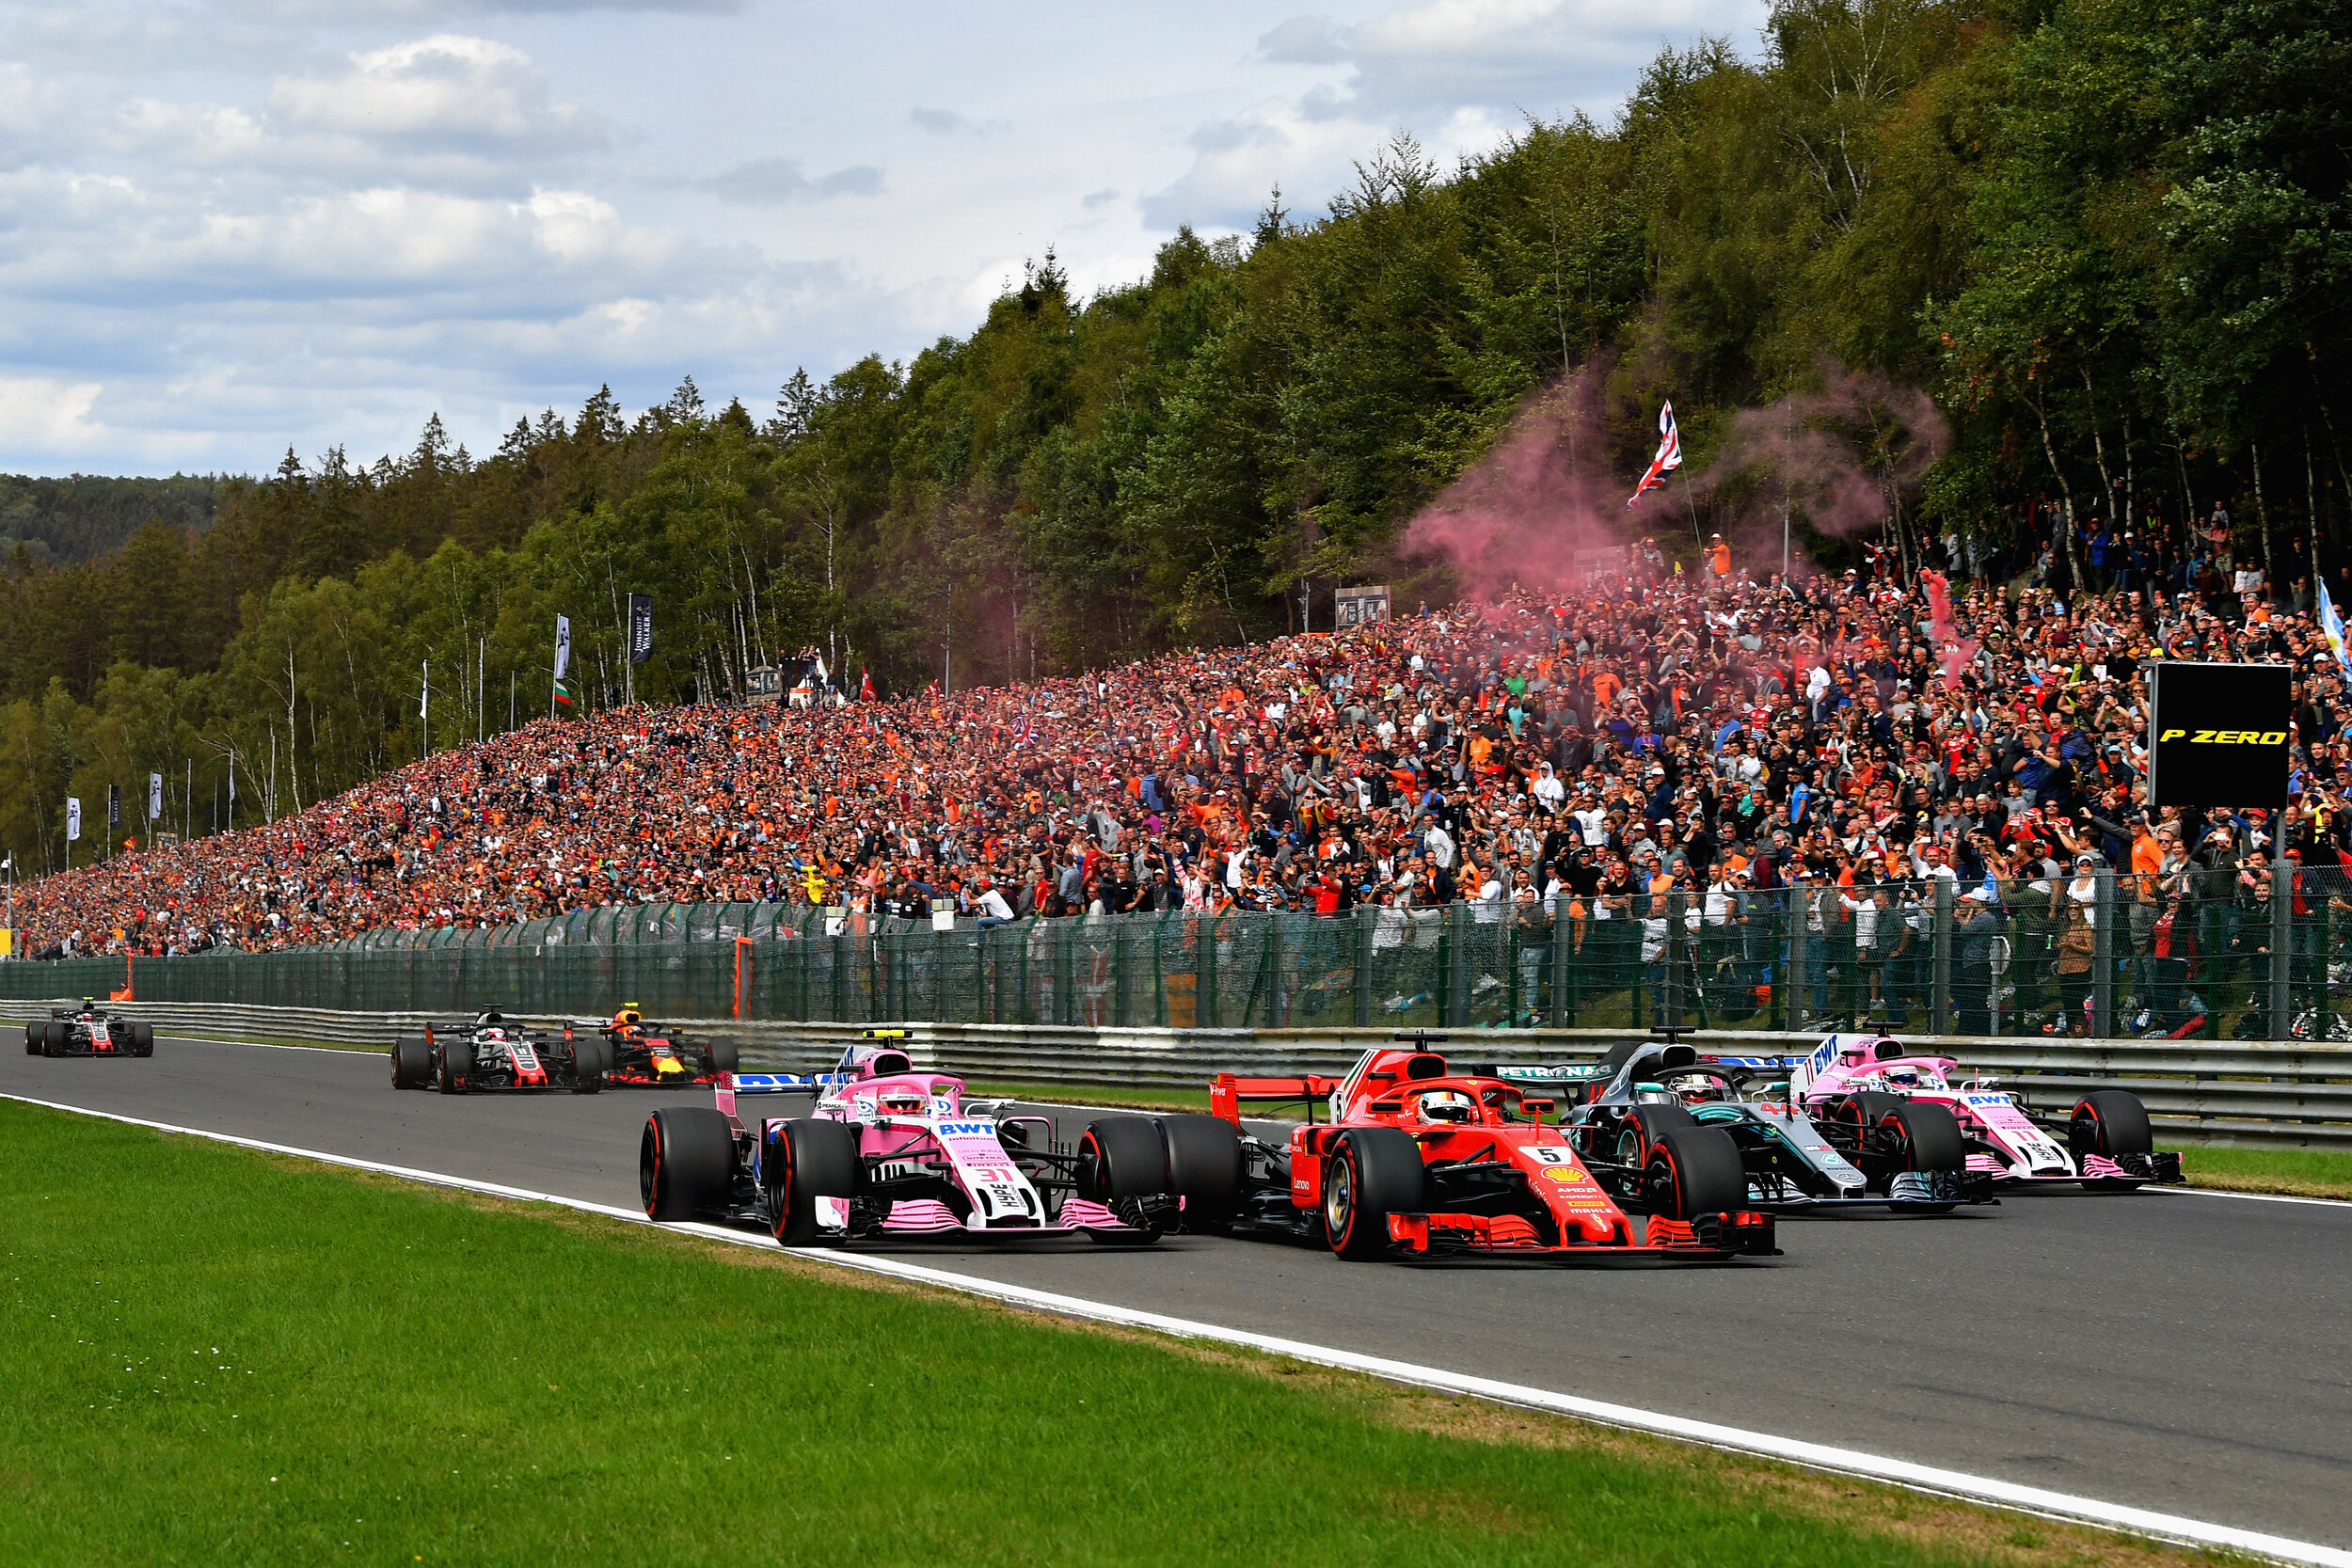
[640, 627]
[114, 807]
[2219, 733]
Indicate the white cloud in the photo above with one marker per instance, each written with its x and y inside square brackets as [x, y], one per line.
[1459, 74]
[227, 225]
[946, 123]
[42, 412]
[445, 90]
[775, 181]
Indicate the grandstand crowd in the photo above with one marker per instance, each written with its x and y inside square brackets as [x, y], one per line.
[1600, 742]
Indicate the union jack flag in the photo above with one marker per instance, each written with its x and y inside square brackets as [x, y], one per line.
[1669, 456]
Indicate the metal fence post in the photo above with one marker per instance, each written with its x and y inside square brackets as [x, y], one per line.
[1204, 984]
[1122, 988]
[1670, 1003]
[1456, 999]
[2103, 959]
[1562, 933]
[1802, 1002]
[1275, 1018]
[1367, 917]
[1940, 979]
[2281, 941]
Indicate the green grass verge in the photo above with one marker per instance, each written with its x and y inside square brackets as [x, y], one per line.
[2300, 1172]
[211, 1355]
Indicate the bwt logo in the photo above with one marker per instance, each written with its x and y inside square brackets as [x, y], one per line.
[2227, 737]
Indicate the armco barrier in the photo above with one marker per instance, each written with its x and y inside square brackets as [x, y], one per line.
[2277, 1095]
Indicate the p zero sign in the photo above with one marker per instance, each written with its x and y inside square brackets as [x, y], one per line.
[2221, 733]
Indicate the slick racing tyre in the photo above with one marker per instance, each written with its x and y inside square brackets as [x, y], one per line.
[1863, 1109]
[1693, 1171]
[1915, 1137]
[56, 1035]
[724, 1055]
[591, 1058]
[806, 1159]
[1642, 1126]
[1923, 1137]
[456, 1064]
[412, 1063]
[1204, 1169]
[685, 1162]
[142, 1040]
[1371, 1173]
[2110, 1123]
[34, 1033]
[1122, 1157]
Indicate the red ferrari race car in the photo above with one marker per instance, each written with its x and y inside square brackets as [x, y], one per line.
[639, 1053]
[1418, 1159]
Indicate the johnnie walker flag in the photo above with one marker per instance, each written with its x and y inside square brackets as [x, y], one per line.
[154, 796]
[563, 658]
[1669, 456]
[640, 627]
[73, 818]
[2331, 627]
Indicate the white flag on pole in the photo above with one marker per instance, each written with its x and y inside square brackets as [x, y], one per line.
[154, 796]
[563, 645]
[424, 693]
[73, 818]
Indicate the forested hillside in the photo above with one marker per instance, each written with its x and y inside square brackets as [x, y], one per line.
[2107, 237]
[75, 518]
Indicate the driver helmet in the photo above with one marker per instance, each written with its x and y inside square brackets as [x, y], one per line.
[1447, 1105]
[1695, 1089]
[904, 1103]
[1903, 1077]
[627, 1017]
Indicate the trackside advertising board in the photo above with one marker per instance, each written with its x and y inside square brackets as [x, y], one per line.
[2219, 733]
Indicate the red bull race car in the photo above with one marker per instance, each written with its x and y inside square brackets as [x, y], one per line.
[89, 1030]
[640, 1053]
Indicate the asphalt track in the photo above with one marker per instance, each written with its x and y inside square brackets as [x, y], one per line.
[2181, 1352]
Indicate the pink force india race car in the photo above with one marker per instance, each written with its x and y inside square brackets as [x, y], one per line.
[894, 1152]
[2104, 1141]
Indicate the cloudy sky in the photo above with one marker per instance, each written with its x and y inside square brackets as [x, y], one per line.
[228, 228]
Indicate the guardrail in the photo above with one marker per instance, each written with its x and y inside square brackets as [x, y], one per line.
[2276, 1096]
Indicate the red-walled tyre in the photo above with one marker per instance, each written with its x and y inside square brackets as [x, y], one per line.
[1693, 1171]
[1371, 1173]
[685, 1162]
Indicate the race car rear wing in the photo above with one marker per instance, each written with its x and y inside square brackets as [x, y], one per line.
[733, 1084]
[1229, 1094]
[785, 1082]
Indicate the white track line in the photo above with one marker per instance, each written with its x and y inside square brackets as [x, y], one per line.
[2249, 1198]
[1819, 1456]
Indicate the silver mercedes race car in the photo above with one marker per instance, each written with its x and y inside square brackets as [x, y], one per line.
[1910, 1159]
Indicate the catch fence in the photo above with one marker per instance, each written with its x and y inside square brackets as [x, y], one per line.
[2103, 956]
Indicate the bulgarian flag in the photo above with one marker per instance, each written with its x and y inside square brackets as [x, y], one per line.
[562, 695]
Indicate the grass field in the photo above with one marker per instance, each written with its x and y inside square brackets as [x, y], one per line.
[2302, 1172]
[213, 1355]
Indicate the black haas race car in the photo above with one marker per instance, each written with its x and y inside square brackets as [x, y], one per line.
[89, 1030]
[487, 1052]
[654, 1055]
